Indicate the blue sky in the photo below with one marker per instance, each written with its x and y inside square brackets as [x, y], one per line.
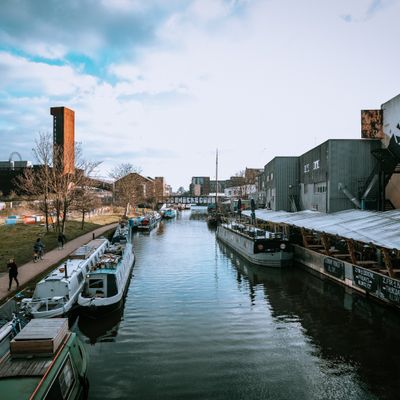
[162, 84]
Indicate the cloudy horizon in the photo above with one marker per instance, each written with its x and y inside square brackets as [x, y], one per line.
[162, 84]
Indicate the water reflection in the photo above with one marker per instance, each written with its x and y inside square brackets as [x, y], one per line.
[101, 330]
[201, 323]
[351, 334]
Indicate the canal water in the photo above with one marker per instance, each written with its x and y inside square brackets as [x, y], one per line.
[200, 323]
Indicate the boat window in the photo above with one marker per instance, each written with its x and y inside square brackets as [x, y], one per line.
[95, 283]
[63, 384]
[80, 277]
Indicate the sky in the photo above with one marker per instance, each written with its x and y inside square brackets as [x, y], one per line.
[161, 84]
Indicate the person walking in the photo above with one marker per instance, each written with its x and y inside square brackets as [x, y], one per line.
[12, 272]
[61, 240]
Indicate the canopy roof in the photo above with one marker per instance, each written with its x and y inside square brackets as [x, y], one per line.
[379, 228]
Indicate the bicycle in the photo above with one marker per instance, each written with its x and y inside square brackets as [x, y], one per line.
[38, 255]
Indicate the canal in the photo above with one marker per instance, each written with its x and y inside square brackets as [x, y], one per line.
[200, 323]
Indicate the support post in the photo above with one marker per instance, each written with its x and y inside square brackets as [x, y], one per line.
[350, 246]
[388, 262]
[325, 243]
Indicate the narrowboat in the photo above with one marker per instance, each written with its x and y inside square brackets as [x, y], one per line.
[55, 295]
[147, 223]
[258, 246]
[107, 280]
[44, 361]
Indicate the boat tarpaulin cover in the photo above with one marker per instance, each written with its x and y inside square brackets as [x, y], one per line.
[380, 228]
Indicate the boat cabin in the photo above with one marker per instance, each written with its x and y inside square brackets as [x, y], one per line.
[45, 361]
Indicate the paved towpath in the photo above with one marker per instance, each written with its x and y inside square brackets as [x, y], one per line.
[30, 270]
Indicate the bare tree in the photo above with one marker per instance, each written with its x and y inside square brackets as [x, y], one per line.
[127, 189]
[84, 202]
[36, 182]
[65, 185]
[51, 183]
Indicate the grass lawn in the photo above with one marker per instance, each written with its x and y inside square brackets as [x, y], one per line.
[17, 240]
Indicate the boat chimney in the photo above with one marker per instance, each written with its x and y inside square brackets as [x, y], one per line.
[65, 270]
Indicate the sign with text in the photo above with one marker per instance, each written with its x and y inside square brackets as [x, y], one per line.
[334, 267]
[390, 289]
[365, 279]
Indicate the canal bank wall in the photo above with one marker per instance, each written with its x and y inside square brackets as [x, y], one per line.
[379, 286]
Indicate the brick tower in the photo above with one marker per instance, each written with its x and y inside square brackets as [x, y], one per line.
[64, 137]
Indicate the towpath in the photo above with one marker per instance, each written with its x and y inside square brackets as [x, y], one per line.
[30, 270]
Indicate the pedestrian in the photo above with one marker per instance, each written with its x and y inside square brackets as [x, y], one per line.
[12, 272]
[61, 240]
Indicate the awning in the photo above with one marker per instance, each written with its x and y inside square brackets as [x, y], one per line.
[379, 228]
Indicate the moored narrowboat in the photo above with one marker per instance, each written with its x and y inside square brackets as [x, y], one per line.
[258, 246]
[45, 361]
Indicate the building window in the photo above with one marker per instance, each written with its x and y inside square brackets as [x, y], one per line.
[306, 168]
[272, 176]
[316, 164]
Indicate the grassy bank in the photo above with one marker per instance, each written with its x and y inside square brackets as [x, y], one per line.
[17, 240]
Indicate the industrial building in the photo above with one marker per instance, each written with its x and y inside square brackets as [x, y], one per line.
[280, 180]
[335, 175]
[64, 138]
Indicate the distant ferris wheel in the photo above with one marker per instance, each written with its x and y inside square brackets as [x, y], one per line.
[14, 153]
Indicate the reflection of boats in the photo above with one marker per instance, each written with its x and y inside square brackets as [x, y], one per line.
[107, 280]
[347, 332]
[256, 245]
[45, 361]
[57, 292]
[104, 330]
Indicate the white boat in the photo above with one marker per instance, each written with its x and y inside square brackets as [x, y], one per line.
[168, 213]
[55, 294]
[256, 245]
[107, 280]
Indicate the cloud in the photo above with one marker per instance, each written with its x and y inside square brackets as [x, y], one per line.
[363, 10]
[162, 84]
[20, 75]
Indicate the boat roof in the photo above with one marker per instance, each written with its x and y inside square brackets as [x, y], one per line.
[58, 274]
[84, 252]
[75, 264]
[20, 376]
[379, 228]
[106, 259]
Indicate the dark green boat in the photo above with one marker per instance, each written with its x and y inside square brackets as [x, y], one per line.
[45, 361]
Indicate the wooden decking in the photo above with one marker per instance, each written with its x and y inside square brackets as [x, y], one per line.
[13, 367]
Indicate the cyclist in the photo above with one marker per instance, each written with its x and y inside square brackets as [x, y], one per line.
[38, 249]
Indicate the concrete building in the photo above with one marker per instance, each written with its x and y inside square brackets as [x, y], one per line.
[222, 185]
[64, 137]
[336, 175]
[204, 184]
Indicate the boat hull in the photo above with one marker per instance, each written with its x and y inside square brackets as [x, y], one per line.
[243, 246]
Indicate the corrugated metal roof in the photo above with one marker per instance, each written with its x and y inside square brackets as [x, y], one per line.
[379, 228]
